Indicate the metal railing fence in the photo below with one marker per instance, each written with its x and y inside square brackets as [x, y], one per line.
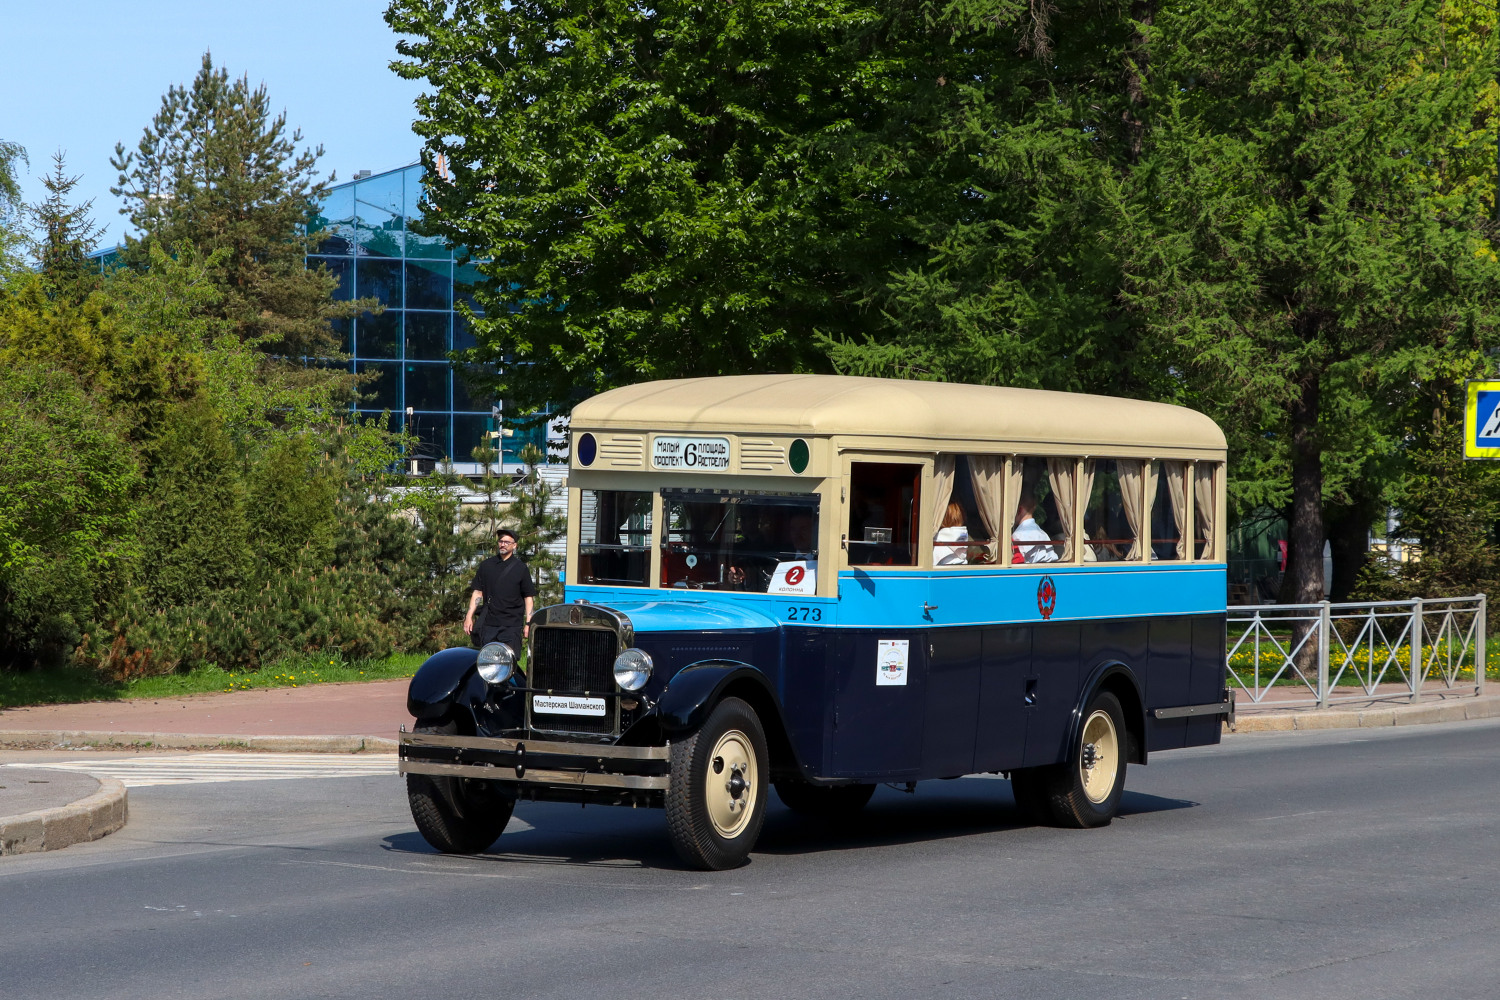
[1328, 654]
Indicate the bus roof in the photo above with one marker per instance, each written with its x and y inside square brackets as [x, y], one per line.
[874, 407]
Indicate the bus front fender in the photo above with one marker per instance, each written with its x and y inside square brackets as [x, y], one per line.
[438, 681]
[694, 690]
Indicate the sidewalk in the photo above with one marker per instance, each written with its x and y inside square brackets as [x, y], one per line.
[344, 718]
[1390, 706]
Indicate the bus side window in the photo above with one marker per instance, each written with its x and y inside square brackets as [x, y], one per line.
[614, 546]
[1112, 519]
[969, 519]
[1205, 507]
[1168, 510]
[884, 504]
[1040, 526]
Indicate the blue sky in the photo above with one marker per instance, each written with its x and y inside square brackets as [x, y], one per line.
[81, 76]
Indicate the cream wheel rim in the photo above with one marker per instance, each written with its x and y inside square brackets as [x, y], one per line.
[1099, 757]
[730, 784]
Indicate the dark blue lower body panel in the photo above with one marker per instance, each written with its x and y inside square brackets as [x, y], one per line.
[986, 698]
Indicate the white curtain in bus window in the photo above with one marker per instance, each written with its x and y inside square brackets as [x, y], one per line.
[614, 541]
[1168, 505]
[961, 534]
[987, 475]
[1109, 530]
[951, 530]
[1060, 476]
[1204, 507]
[1036, 520]
[1133, 499]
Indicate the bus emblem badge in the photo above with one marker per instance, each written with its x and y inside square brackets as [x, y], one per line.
[1046, 597]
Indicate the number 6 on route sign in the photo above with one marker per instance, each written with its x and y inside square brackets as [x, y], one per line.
[1482, 420]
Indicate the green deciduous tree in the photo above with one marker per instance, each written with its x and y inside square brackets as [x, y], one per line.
[67, 517]
[10, 200]
[640, 179]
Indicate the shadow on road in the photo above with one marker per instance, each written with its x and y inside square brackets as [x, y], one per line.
[616, 838]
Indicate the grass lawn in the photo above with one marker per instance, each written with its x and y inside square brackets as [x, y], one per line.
[53, 687]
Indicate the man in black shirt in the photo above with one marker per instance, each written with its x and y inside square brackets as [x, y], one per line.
[502, 586]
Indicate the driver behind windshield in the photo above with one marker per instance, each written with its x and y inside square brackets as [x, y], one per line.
[771, 541]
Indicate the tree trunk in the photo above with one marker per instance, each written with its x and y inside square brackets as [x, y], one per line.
[1305, 532]
[1142, 11]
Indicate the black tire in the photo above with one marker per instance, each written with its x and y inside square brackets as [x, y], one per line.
[1085, 792]
[456, 815]
[716, 800]
[1029, 786]
[827, 803]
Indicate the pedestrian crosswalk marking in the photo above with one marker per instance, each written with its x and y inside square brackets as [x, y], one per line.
[181, 769]
[1492, 426]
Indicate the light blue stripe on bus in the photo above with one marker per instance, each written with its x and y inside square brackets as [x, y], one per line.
[895, 598]
[973, 597]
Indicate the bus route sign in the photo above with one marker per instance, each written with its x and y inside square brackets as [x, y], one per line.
[1482, 420]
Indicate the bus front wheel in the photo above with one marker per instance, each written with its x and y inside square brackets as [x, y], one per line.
[716, 796]
[1086, 790]
[456, 815]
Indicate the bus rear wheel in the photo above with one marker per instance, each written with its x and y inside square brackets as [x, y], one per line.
[1085, 791]
[716, 797]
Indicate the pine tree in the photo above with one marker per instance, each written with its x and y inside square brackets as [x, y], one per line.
[538, 526]
[66, 234]
[217, 169]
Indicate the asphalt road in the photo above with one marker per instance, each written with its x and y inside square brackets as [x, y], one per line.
[1357, 863]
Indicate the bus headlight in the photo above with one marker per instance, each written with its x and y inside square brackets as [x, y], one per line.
[632, 669]
[496, 662]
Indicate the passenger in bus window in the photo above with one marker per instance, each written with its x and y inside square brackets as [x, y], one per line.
[1030, 543]
[944, 553]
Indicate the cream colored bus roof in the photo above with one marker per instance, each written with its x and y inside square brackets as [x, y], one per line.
[874, 407]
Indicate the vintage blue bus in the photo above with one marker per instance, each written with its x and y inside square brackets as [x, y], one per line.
[820, 583]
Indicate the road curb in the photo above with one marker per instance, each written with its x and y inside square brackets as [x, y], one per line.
[47, 739]
[1368, 717]
[90, 818]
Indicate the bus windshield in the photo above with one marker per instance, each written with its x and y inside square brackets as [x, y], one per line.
[723, 540]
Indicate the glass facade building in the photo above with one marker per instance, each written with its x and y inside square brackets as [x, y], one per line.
[373, 254]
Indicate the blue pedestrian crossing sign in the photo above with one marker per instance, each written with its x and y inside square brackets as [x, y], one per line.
[1482, 421]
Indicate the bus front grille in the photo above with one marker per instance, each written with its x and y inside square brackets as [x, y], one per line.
[574, 661]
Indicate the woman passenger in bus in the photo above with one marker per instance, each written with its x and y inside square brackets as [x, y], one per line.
[1029, 542]
[944, 553]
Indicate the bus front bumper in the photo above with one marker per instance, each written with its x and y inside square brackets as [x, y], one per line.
[535, 764]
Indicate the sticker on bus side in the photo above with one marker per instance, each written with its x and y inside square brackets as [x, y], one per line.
[891, 657]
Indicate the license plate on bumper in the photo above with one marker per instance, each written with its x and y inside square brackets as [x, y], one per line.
[547, 704]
